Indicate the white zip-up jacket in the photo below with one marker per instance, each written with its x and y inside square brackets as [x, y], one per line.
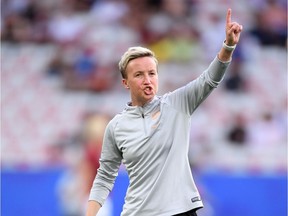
[152, 142]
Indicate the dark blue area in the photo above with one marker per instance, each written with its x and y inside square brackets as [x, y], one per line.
[32, 193]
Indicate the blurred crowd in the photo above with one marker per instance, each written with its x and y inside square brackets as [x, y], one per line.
[83, 41]
[91, 34]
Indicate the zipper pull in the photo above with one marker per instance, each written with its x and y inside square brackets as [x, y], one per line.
[143, 115]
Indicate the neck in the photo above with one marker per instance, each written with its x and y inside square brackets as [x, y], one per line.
[140, 104]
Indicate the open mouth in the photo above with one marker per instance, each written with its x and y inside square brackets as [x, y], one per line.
[148, 90]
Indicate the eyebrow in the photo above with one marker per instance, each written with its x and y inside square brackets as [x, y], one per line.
[142, 72]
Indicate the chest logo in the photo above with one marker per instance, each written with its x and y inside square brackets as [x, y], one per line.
[155, 115]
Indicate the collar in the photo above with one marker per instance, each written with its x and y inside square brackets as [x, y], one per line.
[142, 109]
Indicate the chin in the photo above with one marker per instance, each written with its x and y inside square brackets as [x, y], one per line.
[149, 97]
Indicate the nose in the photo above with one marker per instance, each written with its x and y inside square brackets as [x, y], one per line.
[147, 79]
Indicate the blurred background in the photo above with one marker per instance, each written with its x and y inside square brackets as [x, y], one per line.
[60, 86]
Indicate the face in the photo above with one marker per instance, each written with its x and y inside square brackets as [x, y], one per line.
[142, 80]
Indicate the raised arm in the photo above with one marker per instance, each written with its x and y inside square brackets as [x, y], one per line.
[233, 31]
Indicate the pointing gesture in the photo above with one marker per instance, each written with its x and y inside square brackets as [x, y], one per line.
[233, 30]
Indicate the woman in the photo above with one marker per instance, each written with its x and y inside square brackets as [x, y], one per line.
[151, 136]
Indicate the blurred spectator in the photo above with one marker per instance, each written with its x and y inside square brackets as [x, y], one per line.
[66, 26]
[235, 80]
[271, 23]
[108, 11]
[56, 66]
[265, 131]
[16, 29]
[210, 36]
[92, 134]
[25, 21]
[81, 5]
[237, 134]
[169, 16]
[80, 155]
[85, 74]
[171, 32]
[78, 69]
[136, 16]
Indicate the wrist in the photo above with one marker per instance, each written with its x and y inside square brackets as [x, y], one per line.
[227, 47]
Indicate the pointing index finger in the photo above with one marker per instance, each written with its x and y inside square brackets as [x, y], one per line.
[228, 16]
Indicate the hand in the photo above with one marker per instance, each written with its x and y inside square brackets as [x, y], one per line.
[233, 30]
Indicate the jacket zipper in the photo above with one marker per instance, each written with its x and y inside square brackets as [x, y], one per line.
[144, 121]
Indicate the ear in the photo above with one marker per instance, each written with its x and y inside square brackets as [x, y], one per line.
[125, 84]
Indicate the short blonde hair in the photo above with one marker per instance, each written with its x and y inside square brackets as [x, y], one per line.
[133, 53]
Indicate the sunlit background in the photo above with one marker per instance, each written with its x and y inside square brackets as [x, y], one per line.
[60, 86]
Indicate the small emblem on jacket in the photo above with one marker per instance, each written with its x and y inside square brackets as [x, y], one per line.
[195, 199]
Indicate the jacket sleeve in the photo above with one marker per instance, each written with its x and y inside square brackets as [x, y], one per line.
[110, 162]
[190, 96]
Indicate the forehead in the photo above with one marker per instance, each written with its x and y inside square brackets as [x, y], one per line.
[141, 64]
